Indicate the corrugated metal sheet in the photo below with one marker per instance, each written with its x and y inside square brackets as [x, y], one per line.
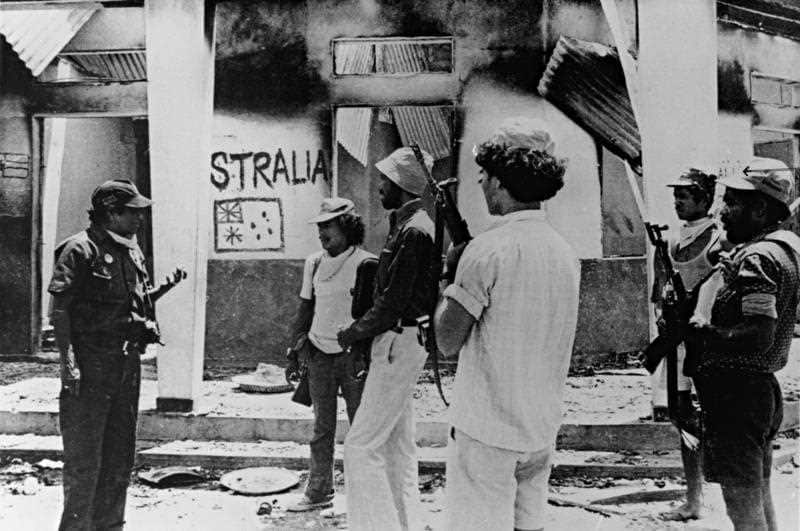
[353, 58]
[377, 57]
[113, 66]
[400, 58]
[353, 130]
[37, 35]
[427, 126]
[585, 81]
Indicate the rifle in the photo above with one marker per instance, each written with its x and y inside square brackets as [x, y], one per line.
[673, 311]
[362, 293]
[446, 214]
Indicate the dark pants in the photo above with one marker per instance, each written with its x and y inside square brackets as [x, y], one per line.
[742, 413]
[327, 373]
[99, 431]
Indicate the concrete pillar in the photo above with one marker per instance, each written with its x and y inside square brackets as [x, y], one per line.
[180, 68]
[677, 70]
[678, 116]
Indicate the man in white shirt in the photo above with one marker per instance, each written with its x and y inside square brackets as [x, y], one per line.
[325, 303]
[511, 313]
[694, 251]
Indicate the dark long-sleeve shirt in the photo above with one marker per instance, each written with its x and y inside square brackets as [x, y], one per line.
[403, 283]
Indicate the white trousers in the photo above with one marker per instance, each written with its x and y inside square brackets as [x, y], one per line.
[494, 488]
[658, 379]
[380, 464]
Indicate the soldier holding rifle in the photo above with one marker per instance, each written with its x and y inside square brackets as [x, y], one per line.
[511, 314]
[379, 450]
[693, 253]
[747, 340]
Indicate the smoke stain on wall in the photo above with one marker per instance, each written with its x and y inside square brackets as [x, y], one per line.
[262, 59]
[731, 91]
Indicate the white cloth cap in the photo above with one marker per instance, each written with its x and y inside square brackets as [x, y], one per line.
[404, 170]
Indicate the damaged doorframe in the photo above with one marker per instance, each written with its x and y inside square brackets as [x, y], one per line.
[38, 169]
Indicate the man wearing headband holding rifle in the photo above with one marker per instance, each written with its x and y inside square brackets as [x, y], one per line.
[380, 450]
[693, 253]
[511, 314]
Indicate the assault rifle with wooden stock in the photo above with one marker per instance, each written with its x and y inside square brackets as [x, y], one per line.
[446, 215]
[674, 314]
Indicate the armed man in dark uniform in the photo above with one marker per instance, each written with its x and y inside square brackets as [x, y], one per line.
[379, 450]
[104, 318]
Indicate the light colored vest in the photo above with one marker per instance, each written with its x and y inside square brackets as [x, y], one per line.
[694, 270]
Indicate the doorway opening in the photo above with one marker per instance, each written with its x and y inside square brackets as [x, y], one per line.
[76, 155]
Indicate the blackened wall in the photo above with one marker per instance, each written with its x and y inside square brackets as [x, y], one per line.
[274, 65]
[251, 307]
[15, 208]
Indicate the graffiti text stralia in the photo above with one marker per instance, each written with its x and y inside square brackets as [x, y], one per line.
[264, 169]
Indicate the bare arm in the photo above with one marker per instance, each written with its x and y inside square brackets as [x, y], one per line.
[754, 334]
[70, 374]
[453, 324]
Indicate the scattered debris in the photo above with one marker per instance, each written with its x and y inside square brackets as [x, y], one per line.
[27, 487]
[563, 502]
[266, 378]
[259, 481]
[172, 476]
[643, 496]
[49, 464]
[18, 467]
[431, 482]
[265, 508]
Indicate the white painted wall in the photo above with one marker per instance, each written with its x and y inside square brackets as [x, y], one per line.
[677, 71]
[575, 211]
[735, 137]
[298, 139]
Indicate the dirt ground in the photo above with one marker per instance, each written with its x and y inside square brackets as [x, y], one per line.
[30, 500]
[610, 396]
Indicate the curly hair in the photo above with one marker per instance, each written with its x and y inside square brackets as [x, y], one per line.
[353, 227]
[528, 175]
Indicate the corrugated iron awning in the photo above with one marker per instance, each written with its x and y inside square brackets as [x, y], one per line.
[38, 35]
[353, 131]
[427, 126]
[129, 65]
[585, 81]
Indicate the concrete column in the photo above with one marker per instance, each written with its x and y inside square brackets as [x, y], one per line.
[678, 116]
[180, 68]
[677, 70]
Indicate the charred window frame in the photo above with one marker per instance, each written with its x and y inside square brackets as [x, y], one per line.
[392, 56]
[365, 133]
[774, 90]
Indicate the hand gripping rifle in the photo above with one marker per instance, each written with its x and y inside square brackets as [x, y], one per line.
[674, 313]
[446, 215]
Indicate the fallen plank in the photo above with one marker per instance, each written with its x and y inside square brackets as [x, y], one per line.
[563, 502]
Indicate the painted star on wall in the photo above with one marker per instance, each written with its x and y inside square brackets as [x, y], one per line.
[233, 236]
